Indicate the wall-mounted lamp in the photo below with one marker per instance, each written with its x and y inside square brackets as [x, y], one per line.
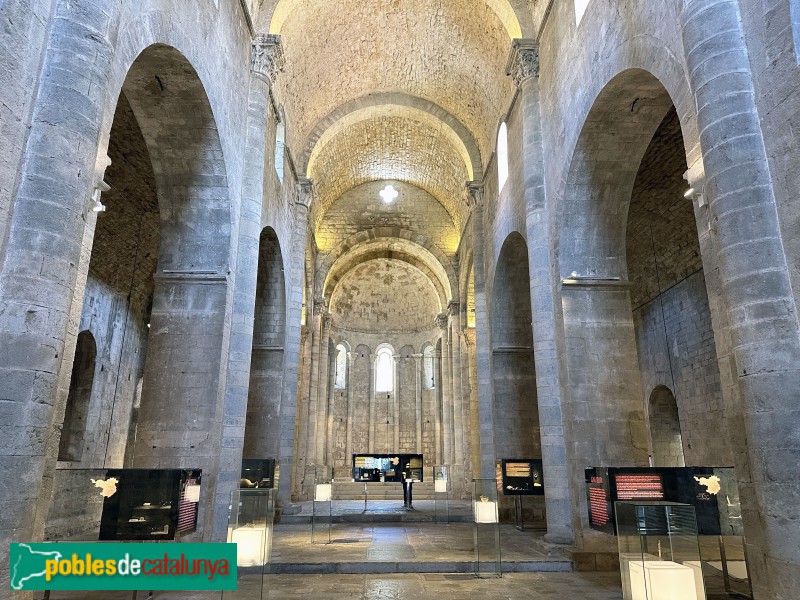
[689, 194]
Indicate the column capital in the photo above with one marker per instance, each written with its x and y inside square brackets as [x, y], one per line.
[523, 61]
[474, 194]
[453, 308]
[305, 192]
[267, 58]
[320, 305]
[441, 320]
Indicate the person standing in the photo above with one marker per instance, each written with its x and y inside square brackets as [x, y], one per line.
[408, 482]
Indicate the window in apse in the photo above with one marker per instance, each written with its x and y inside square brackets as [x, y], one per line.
[384, 371]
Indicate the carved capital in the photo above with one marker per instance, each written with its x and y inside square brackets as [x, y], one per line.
[320, 305]
[305, 192]
[474, 194]
[326, 319]
[441, 320]
[523, 62]
[454, 308]
[267, 58]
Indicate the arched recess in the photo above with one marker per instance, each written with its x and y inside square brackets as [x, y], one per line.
[70, 446]
[665, 428]
[516, 412]
[601, 348]
[179, 423]
[262, 429]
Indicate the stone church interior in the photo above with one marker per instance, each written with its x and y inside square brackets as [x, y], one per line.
[406, 298]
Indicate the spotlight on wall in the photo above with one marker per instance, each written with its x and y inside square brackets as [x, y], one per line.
[96, 205]
[689, 194]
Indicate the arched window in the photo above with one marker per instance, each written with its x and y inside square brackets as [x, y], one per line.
[502, 157]
[384, 370]
[340, 380]
[70, 446]
[280, 141]
[580, 8]
[428, 372]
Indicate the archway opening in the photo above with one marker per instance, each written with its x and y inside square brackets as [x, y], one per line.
[665, 429]
[262, 428]
[73, 432]
[515, 406]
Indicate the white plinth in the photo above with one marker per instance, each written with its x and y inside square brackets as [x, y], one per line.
[440, 486]
[323, 492]
[251, 545]
[664, 580]
[485, 512]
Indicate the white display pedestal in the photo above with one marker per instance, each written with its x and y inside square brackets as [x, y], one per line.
[251, 545]
[665, 580]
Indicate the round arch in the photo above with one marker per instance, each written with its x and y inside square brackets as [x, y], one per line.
[398, 103]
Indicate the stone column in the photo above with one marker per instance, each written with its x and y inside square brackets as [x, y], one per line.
[548, 342]
[418, 366]
[454, 312]
[756, 290]
[312, 423]
[323, 388]
[482, 343]
[372, 401]
[43, 259]
[396, 407]
[297, 274]
[348, 451]
[266, 61]
[437, 408]
[446, 392]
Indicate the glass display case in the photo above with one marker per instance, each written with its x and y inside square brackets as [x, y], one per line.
[488, 562]
[659, 551]
[148, 504]
[321, 515]
[374, 468]
[250, 521]
[441, 485]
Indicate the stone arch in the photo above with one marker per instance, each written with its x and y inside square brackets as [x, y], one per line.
[70, 446]
[516, 413]
[665, 428]
[514, 14]
[179, 418]
[435, 259]
[262, 428]
[380, 103]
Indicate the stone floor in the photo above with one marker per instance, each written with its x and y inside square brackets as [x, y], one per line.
[516, 586]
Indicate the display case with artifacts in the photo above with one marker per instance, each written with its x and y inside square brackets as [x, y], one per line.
[148, 504]
[258, 473]
[522, 477]
[375, 468]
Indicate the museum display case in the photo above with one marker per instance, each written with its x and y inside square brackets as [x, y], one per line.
[488, 562]
[148, 504]
[250, 523]
[659, 551]
[375, 468]
[322, 506]
[441, 494]
[259, 473]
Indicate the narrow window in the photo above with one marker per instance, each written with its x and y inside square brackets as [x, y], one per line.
[70, 446]
[280, 141]
[502, 157]
[580, 9]
[428, 371]
[384, 370]
[341, 367]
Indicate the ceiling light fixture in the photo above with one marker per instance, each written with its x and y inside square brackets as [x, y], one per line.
[389, 194]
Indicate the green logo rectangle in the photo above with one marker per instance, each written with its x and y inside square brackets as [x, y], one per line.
[121, 566]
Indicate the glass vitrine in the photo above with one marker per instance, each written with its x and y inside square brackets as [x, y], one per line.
[488, 562]
[659, 551]
[252, 513]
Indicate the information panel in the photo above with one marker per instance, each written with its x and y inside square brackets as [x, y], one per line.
[522, 477]
[711, 490]
[387, 467]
